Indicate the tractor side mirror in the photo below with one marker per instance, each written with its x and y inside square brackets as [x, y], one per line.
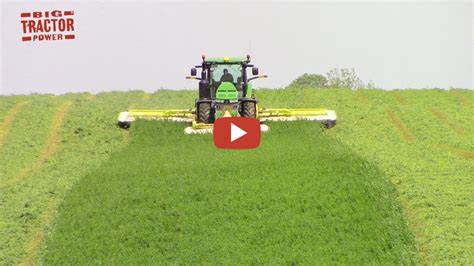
[193, 72]
[254, 71]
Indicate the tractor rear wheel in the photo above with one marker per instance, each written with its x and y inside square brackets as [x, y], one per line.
[249, 109]
[204, 113]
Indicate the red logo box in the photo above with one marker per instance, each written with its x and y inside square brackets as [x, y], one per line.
[236, 133]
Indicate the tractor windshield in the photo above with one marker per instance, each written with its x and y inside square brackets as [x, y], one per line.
[230, 73]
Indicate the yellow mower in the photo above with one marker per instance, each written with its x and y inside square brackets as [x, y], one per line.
[225, 90]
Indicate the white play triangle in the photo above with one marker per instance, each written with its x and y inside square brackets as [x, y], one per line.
[236, 132]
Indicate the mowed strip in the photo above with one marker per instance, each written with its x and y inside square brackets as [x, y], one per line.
[465, 154]
[363, 118]
[464, 101]
[379, 113]
[445, 120]
[433, 181]
[27, 136]
[441, 169]
[173, 198]
[372, 111]
[86, 138]
[49, 149]
[7, 121]
[399, 98]
[405, 133]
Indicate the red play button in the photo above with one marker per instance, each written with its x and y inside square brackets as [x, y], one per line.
[237, 133]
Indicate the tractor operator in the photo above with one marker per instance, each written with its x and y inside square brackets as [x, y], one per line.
[227, 77]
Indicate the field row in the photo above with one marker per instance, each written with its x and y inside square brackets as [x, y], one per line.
[49, 143]
[425, 144]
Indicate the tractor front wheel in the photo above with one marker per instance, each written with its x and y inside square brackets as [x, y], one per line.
[329, 124]
[204, 113]
[249, 109]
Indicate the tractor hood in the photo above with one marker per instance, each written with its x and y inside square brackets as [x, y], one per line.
[227, 91]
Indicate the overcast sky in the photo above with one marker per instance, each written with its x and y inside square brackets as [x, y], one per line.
[146, 45]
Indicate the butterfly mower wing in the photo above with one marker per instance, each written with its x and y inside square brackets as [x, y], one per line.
[225, 90]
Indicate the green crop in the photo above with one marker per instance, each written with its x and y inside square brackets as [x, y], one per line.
[420, 142]
[170, 197]
[428, 158]
[35, 176]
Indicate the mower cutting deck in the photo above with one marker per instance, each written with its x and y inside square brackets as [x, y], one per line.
[225, 91]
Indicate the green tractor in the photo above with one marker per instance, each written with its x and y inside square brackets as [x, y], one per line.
[225, 91]
[224, 88]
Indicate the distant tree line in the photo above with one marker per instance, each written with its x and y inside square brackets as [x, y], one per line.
[335, 78]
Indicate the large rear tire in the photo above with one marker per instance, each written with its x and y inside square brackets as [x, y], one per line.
[249, 109]
[204, 113]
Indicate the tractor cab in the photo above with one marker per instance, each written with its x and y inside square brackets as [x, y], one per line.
[231, 73]
[224, 88]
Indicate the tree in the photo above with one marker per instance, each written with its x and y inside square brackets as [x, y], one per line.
[335, 78]
[344, 78]
[310, 81]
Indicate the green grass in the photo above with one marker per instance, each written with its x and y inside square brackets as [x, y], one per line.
[174, 198]
[87, 138]
[26, 148]
[432, 172]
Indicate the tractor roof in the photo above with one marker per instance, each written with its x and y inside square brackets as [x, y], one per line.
[226, 59]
